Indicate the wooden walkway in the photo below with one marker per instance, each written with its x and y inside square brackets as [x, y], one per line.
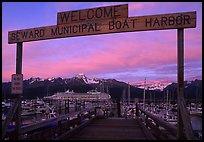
[111, 129]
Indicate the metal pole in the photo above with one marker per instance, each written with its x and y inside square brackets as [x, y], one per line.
[184, 128]
[19, 71]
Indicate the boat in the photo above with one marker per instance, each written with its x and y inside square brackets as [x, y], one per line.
[91, 95]
[171, 118]
[26, 112]
[195, 109]
[93, 92]
[5, 104]
[32, 107]
[3, 116]
[67, 92]
[52, 114]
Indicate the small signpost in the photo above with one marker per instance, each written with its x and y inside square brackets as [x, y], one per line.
[17, 84]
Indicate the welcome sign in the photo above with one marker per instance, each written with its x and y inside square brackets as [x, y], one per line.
[102, 20]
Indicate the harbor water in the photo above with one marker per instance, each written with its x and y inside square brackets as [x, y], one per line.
[196, 122]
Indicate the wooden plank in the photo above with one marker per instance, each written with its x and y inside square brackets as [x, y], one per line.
[98, 13]
[114, 129]
[73, 131]
[131, 24]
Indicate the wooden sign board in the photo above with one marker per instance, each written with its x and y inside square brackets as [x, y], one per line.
[99, 13]
[131, 24]
[17, 84]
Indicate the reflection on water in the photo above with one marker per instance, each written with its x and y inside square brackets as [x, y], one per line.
[196, 122]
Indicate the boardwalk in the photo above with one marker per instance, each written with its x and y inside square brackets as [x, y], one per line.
[111, 129]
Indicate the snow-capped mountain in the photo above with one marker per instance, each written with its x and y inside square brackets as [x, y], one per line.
[86, 79]
[51, 79]
[38, 87]
[151, 85]
[35, 79]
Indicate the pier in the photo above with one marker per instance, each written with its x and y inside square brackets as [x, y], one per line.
[99, 123]
[111, 129]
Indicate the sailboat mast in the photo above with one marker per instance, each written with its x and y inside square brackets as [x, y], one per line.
[144, 94]
[167, 103]
[128, 93]
[47, 89]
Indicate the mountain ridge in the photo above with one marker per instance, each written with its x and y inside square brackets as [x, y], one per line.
[38, 87]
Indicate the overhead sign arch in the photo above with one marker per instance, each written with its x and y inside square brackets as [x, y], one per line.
[106, 26]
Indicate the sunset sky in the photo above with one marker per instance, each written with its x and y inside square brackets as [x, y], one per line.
[127, 56]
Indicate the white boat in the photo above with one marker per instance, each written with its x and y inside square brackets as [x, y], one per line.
[69, 91]
[93, 92]
[26, 112]
[196, 112]
[171, 118]
[6, 104]
[31, 107]
[3, 116]
[52, 115]
[91, 95]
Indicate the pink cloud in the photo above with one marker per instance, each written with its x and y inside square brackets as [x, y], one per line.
[8, 58]
[110, 59]
[193, 54]
[6, 75]
[122, 55]
[101, 53]
[193, 35]
[139, 5]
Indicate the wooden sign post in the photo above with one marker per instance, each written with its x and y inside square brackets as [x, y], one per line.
[19, 54]
[184, 126]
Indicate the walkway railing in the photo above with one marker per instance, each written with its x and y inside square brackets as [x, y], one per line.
[157, 126]
[62, 126]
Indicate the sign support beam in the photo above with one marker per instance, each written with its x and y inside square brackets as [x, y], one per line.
[184, 128]
[19, 71]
